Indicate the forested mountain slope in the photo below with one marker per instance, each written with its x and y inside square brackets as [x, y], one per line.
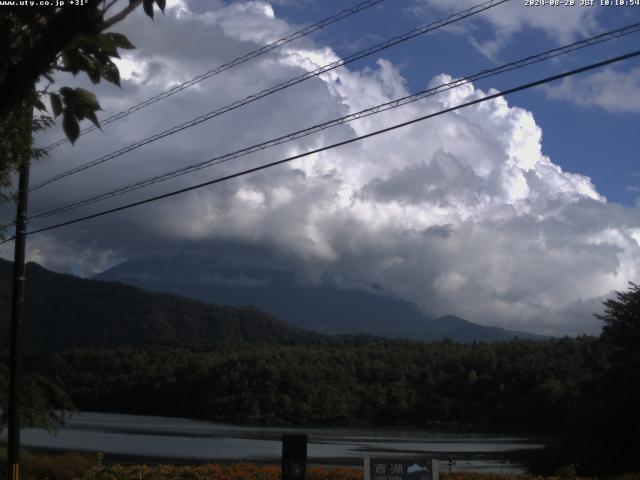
[64, 311]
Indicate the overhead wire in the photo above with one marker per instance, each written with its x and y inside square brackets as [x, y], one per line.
[342, 143]
[597, 39]
[222, 68]
[474, 10]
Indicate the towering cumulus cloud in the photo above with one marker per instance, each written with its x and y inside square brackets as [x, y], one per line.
[463, 214]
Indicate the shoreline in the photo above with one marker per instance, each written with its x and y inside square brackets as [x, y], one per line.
[463, 462]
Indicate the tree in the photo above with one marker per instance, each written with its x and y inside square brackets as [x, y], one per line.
[44, 404]
[621, 330]
[37, 42]
[621, 380]
[603, 435]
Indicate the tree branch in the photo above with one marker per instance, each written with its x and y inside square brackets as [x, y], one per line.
[119, 16]
[107, 7]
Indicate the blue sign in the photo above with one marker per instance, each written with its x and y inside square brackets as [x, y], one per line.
[400, 469]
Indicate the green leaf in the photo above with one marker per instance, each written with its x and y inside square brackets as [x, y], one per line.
[69, 61]
[39, 153]
[120, 40]
[39, 105]
[69, 96]
[93, 71]
[147, 5]
[88, 99]
[161, 4]
[56, 104]
[70, 125]
[75, 60]
[111, 73]
[100, 42]
[94, 119]
[67, 92]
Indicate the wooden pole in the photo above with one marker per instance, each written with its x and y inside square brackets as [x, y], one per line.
[17, 317]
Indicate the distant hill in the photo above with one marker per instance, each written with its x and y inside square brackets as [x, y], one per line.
[245, 280]
[461, 330]
[64, 311]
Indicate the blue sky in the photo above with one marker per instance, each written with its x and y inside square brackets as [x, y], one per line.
[591, 140]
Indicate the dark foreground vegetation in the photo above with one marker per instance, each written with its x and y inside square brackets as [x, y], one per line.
[76, 466]
[585, 390]
[582, 389]
[383, 382]
[73, 466]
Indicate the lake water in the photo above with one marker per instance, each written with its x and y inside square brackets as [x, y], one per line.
[184, 439]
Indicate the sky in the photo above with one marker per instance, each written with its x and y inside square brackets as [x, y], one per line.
[520, 212]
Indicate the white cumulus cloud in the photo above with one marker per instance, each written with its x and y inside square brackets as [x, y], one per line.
[612, 90]
[562, 24]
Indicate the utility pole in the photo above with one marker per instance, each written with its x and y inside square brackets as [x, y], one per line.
[17, 304]
[17, 316]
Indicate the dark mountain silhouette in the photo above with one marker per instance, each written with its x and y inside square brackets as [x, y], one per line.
[260, 281]
[64, 311]
[461, 330]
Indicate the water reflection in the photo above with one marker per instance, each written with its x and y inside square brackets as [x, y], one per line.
[162, 437]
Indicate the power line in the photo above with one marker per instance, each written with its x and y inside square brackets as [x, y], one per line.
[339, 144]
[233, 63]
[281, 86]
[604, 37]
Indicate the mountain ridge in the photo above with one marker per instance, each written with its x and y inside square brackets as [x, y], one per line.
[323, 308]
[63, 311]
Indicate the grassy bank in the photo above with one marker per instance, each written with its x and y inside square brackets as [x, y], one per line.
[76, 466]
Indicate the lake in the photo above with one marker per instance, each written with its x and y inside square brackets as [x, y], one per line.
[184, 439]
